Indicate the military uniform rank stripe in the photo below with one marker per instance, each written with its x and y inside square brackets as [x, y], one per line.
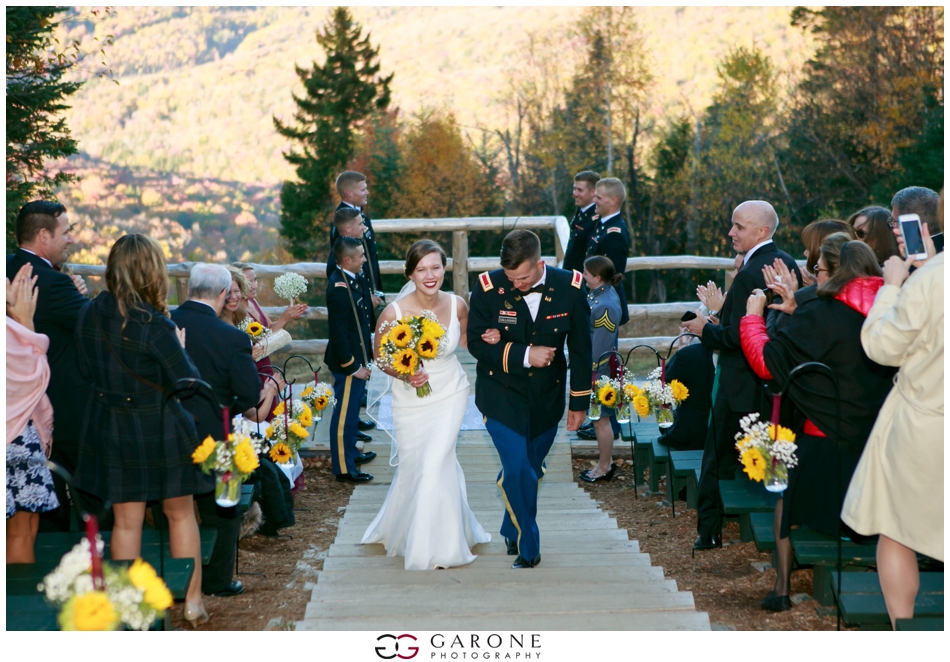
[504, 358]
[604, 321]
[485, 280]
[578, 394]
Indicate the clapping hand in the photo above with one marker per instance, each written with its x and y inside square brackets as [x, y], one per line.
[21, 296]
[710, 296]
[788, 304]
[290, 314]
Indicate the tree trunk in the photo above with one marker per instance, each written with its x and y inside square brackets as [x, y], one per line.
[610, 136]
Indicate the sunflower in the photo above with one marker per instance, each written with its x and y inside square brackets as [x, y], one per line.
[204, 451]
[680, 392]
[753, 463]
[320, 402]
[270, 432]
[279, 409]
[245, 459]
[141, 573]
[401, 335]
[92, 611]
[433, 329]
[607, 395]
[405, 362]
[383, 339]
[631, 391]
[307, 392]
[306, 416]
[428, 347]
[642, 405]
[254, 329]
[298, 430]
[157, 596]
[280, 453]
[784, 434]
[744, 443]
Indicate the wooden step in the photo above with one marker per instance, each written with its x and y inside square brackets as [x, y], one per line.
[476, 573]
[616, 558]
[497, 546]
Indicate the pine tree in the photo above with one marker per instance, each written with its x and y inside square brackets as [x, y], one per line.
[36, 99]
[340, 95]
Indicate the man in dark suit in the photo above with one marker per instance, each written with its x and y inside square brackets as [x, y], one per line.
[576, 252]
[348, 355]
[43, 234]
[522, 377]
[739, 392]
[222, 355]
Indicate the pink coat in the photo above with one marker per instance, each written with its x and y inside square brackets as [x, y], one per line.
[27, 379]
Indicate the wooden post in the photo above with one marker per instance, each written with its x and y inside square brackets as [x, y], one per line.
[181, 287]
[460, 262]
[728, 281]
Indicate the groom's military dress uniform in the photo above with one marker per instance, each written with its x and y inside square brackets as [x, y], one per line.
[611, 239]
[523, 405]
[581, 226]
[348, 349]
[372, 279]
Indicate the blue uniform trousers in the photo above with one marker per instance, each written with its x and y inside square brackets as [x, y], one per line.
[349, 392]
[522, 463]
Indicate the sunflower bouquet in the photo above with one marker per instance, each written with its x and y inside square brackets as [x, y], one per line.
[318, 396]
[290, 286]
[658, 397]
[256, 331]
[766, 451]
[133, 597]
[232, 460]
[405, 342]
[287, 433]
[607, 392]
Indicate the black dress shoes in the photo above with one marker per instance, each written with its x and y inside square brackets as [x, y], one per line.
[512, 547]
[365, 457]
[707, 542]
[586, 477]
[590, 435]
[236, 588]
[358, 477]
[362, 436]
[365, 425]
[774, 602]
[522, 562]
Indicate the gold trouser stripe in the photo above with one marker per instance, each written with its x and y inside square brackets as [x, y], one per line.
[511, 513]
[504, 358]
[544, 470]
[341, 424]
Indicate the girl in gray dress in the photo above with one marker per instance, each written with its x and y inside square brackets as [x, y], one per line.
[600, 276]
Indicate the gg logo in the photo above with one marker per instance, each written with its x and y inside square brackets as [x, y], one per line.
[391, 649]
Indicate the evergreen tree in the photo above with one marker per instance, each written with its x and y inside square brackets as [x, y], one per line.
[36, 99]
[340, 95]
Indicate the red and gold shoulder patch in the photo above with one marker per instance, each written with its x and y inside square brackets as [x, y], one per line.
[577, 279]
[340, 284]
[485, 280]
[613, 229]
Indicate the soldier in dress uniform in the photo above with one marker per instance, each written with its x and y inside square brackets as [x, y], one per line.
[522, 377]
[353, 195]
[609, 236]
[348, 356]
[584, 184]
[348, 222]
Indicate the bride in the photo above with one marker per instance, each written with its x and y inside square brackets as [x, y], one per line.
[425, 517]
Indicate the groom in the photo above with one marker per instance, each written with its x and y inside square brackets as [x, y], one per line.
[521, 379]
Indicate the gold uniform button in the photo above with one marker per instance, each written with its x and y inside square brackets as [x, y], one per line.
[530, 374]
[490, 372]
[555, 330]
[506, 328]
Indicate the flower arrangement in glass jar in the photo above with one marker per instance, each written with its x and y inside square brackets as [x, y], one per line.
[766, 451]
[232, 461]
[319, 397]
[406, 342]
[288, 430]
[606, 392]
[290, 286]
[660, 398]
[133, 597]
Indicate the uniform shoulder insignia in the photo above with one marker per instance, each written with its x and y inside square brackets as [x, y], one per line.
[340, 284]
[485, 280]
[604, 321]
[613, 229]
[577, 279]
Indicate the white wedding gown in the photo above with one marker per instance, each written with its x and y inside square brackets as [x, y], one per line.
[425, 517]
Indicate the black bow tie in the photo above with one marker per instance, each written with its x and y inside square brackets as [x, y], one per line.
[537, 289]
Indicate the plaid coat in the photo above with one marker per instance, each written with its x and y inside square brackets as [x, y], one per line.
[125, 454]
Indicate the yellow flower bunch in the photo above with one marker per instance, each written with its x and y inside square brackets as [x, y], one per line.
[641, 404]
[254, 329]
[432, 329]
[630, 391]
[428, 347]
[680, 392]
[280, 453]
[298, 430]
[143, 577]
[245, 459]
[405, 362]
[607, 395]
[784, 434]
[204, 451]
[401, 335]
[306, 416]
[307, 392]
[92, 611]
[753, 463]
[279, 409]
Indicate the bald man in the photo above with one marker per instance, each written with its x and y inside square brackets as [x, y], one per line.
[739, 393]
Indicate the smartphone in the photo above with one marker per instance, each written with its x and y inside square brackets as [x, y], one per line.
[687, 316]
[913, 236]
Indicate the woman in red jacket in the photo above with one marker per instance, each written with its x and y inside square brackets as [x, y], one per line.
[826, 329]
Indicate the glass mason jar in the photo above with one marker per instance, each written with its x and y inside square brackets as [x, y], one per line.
[317, 415]
[664, 416]
[776, 475]
[595, 407]
[623, 412]
[227, 490]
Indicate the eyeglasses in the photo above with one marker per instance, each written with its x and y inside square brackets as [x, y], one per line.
[816, 270]
[862, 234]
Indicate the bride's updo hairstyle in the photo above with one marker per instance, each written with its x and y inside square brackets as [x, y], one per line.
[418, 251]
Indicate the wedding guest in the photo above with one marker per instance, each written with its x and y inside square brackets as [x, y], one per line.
[43, 234]
[291, 313]
[601, 278]
[872, 225]
[897, 489]
[583, 221]
[222, 355]
[825, 329]
[29, 420]
[132, 449]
